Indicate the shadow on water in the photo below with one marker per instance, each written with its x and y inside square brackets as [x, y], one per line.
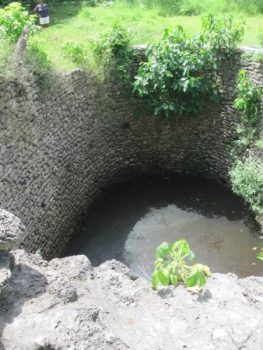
[132, 220]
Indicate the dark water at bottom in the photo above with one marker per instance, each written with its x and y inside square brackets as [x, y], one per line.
[130, 222]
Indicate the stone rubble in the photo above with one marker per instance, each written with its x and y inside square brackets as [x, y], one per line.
[68, 304]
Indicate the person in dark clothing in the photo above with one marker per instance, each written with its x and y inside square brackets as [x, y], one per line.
[41, 10]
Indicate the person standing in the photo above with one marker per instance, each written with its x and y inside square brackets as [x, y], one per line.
[41, 10]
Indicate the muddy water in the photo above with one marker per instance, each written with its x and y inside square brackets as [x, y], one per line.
[130, 222]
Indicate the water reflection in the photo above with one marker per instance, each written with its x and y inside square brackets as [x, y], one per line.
[131, 221]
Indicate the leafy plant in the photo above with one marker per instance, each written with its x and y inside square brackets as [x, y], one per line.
[171, 266]
[75, 52]
[247, 103]
[5, 58]
[13, 18]
[260, 255]
[181, 73]
[222, 35]
[113, 49]
[247, 181]
[260, 37]
[38, 63]
[91, 3]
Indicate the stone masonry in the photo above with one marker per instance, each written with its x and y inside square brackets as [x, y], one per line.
[63, 147]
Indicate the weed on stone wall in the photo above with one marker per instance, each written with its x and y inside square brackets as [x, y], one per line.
[260, 37]
[38, 64]
[5, 59]
[247, 103]
[247, 181]
[247, 174]
[180, 75]
[113, 52]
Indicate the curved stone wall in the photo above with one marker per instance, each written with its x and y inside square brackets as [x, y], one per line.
[61, 149]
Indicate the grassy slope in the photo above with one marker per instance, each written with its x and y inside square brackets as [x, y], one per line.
[73, 23]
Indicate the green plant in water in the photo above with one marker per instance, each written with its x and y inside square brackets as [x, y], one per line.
[247, 103]
[171, 266]
[181, 73]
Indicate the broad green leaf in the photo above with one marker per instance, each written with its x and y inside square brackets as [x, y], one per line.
[191, 280]
[164, 277]
[155, 280]
[204, 268]
[162, 250]
[201, 279]
[174, 279]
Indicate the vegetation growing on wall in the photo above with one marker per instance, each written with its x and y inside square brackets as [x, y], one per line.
[247, 103]
[181, 73]
[260, 37]
[114, 49]
[171, 266]
[260, 255]
[38, 63]
[5, 57]
[75, 52]
[246, 175]
[247, 181]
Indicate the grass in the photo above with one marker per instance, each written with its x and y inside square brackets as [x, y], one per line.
[74, 22]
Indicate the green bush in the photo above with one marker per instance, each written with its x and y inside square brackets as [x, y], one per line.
[91, 3]
[171, 266]
[247, 181]
[38, 63]
[247, 103]
[75, 52]
[180, 74]
[5, 57]
[13, 19]
[260, 37]
[194, 7]
[113, 45]
[113, 49]
[260, 255]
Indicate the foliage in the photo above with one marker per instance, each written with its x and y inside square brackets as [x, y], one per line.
[247, 181]
[5, 57]
[260, 255]
[75, 52]
[91, 2]
[194, 7]
[260, 37]
[171, 267]
[38, 63]
[73, 22]
[222, 35]
[13, 18]
[113, 48]
[113, 44]
[247, 103]
[180, 74]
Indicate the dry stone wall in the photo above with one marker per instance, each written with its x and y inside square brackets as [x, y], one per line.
[60, 149]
